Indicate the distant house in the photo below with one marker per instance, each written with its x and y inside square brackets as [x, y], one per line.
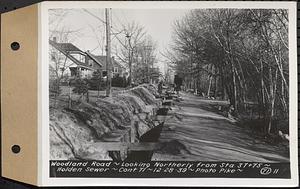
[117, 68]
[71, 60]
[75, 62]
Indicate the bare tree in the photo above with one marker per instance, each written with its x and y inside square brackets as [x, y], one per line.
[136, 50]
[242, 53]
[59, 63]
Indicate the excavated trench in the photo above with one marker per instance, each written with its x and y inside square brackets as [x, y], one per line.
[150, 136]
[128, 117]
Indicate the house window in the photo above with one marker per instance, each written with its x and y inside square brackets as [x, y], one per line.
[116, 70]
[91, 62]
[79, 57]
[82, 58]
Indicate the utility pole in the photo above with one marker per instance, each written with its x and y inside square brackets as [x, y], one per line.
[108, 53]
[129, 59]
[146, 49]
[146, 62]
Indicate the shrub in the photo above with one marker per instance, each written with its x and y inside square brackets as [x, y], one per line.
[54, 87]
[80, 86]
[96, 82]
[118, 81]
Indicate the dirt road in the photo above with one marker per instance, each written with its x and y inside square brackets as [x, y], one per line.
[196, 133]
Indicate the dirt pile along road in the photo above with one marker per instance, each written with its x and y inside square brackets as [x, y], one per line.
[121, 118]
[197, 134]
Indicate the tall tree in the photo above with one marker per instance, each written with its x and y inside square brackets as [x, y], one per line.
[241, 53]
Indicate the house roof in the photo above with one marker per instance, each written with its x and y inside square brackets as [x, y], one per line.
[94, 57]
[66, 48]
[102, 59]
[118, 63]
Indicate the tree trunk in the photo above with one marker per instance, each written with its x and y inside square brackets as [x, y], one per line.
[234, 88]
[70, 97]
[87, 97]
[209, 86]
[216, 87]
[273, 88]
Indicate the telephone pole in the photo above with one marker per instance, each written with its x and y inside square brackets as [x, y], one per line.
[146, 49]
[108, 53]
[129, 59]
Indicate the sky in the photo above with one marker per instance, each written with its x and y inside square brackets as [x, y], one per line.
[158, 24]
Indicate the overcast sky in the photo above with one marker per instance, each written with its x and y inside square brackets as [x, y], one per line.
[157, 22]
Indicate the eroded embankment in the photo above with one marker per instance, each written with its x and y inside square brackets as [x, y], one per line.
[122, 118]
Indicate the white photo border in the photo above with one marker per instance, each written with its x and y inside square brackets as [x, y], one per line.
[43, 100]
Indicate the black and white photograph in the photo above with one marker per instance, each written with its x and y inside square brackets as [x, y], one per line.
[181, 92]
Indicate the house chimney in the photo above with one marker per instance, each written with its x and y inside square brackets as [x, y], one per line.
[54, 39]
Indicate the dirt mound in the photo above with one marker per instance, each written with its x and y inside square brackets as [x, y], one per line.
[110, 114]
[73, 130]
[70, 138]
[152, 89]
[135, 104]
[143, 94]
[104, 115]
